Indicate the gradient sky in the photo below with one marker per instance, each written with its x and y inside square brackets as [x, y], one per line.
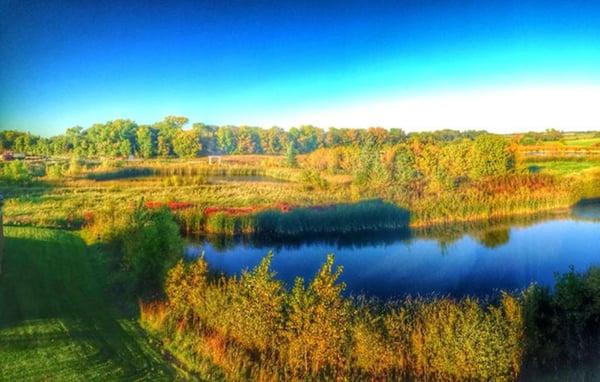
[502, 66]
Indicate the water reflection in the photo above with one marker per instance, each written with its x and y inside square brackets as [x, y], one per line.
[588, 210]
[476, 258]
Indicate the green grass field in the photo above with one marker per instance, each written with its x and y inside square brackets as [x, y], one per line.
[57, 324]
[563, 167]
[584, 142]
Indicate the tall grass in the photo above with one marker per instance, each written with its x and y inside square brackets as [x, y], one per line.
[494, 198]
[121, 173]
[253, 328]
[64, 202]
[373, 215]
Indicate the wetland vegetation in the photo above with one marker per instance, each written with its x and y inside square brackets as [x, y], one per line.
[88, 223]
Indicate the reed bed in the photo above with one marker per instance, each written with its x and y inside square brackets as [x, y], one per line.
[121, 173]
[373, 215]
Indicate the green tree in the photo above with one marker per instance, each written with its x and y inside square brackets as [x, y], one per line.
[163, 146]
[167, 128]
[146, 141]
[152, 245]
[404, 171]
[290, 156]
[491, 156]
[273, 140]
[186, 144]
[226, 140]
[248, 140]
[208, 137]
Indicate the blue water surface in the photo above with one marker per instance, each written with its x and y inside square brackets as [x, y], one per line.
[480, 261]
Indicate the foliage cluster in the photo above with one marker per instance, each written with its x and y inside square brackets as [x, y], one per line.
[563, 325]
[143, 245]
[252, 327]
[167, 138]
[418, 166]
[533, 138]
[16, 172]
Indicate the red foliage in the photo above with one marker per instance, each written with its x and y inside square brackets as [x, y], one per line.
[284, 207]
[240, 211]
[173, 206]
[88, 216]
[179, 205]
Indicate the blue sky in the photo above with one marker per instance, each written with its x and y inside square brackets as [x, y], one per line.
[343, 63]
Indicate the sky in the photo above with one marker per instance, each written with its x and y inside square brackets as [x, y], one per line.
[418, 65]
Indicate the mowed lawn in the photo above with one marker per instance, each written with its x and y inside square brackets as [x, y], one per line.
[56, 324]
[585, 142]
[563, 167]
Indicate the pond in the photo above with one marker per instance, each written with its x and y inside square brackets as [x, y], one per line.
[477, 259]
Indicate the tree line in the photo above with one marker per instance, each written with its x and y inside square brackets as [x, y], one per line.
[171, 137]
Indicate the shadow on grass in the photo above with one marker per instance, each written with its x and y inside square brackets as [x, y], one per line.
[52, 302]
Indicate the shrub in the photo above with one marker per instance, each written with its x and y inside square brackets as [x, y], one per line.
[317, 330]
[141, 245]
[75, 166]
[311, 179]
[152, 245]
[257, 308]
[251, 328]
[17, 172]
[290, 156]
[491, 156]
[562, 326]
[55, 171]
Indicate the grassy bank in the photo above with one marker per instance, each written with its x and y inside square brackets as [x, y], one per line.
[252, 328]
[56, 322]
[68, 201]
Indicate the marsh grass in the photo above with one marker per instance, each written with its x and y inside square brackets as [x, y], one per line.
[252, 328]
[64, 202]
[121, 173]
[373, 215]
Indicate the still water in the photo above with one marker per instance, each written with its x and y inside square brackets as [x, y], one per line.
[456, 260]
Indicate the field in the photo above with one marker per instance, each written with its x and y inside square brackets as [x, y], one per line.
[84, 232]
[247, 182]
[563, 167]
[582, 140]
[56, 322]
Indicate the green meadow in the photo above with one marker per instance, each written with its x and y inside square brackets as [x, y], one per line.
[57, 323]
